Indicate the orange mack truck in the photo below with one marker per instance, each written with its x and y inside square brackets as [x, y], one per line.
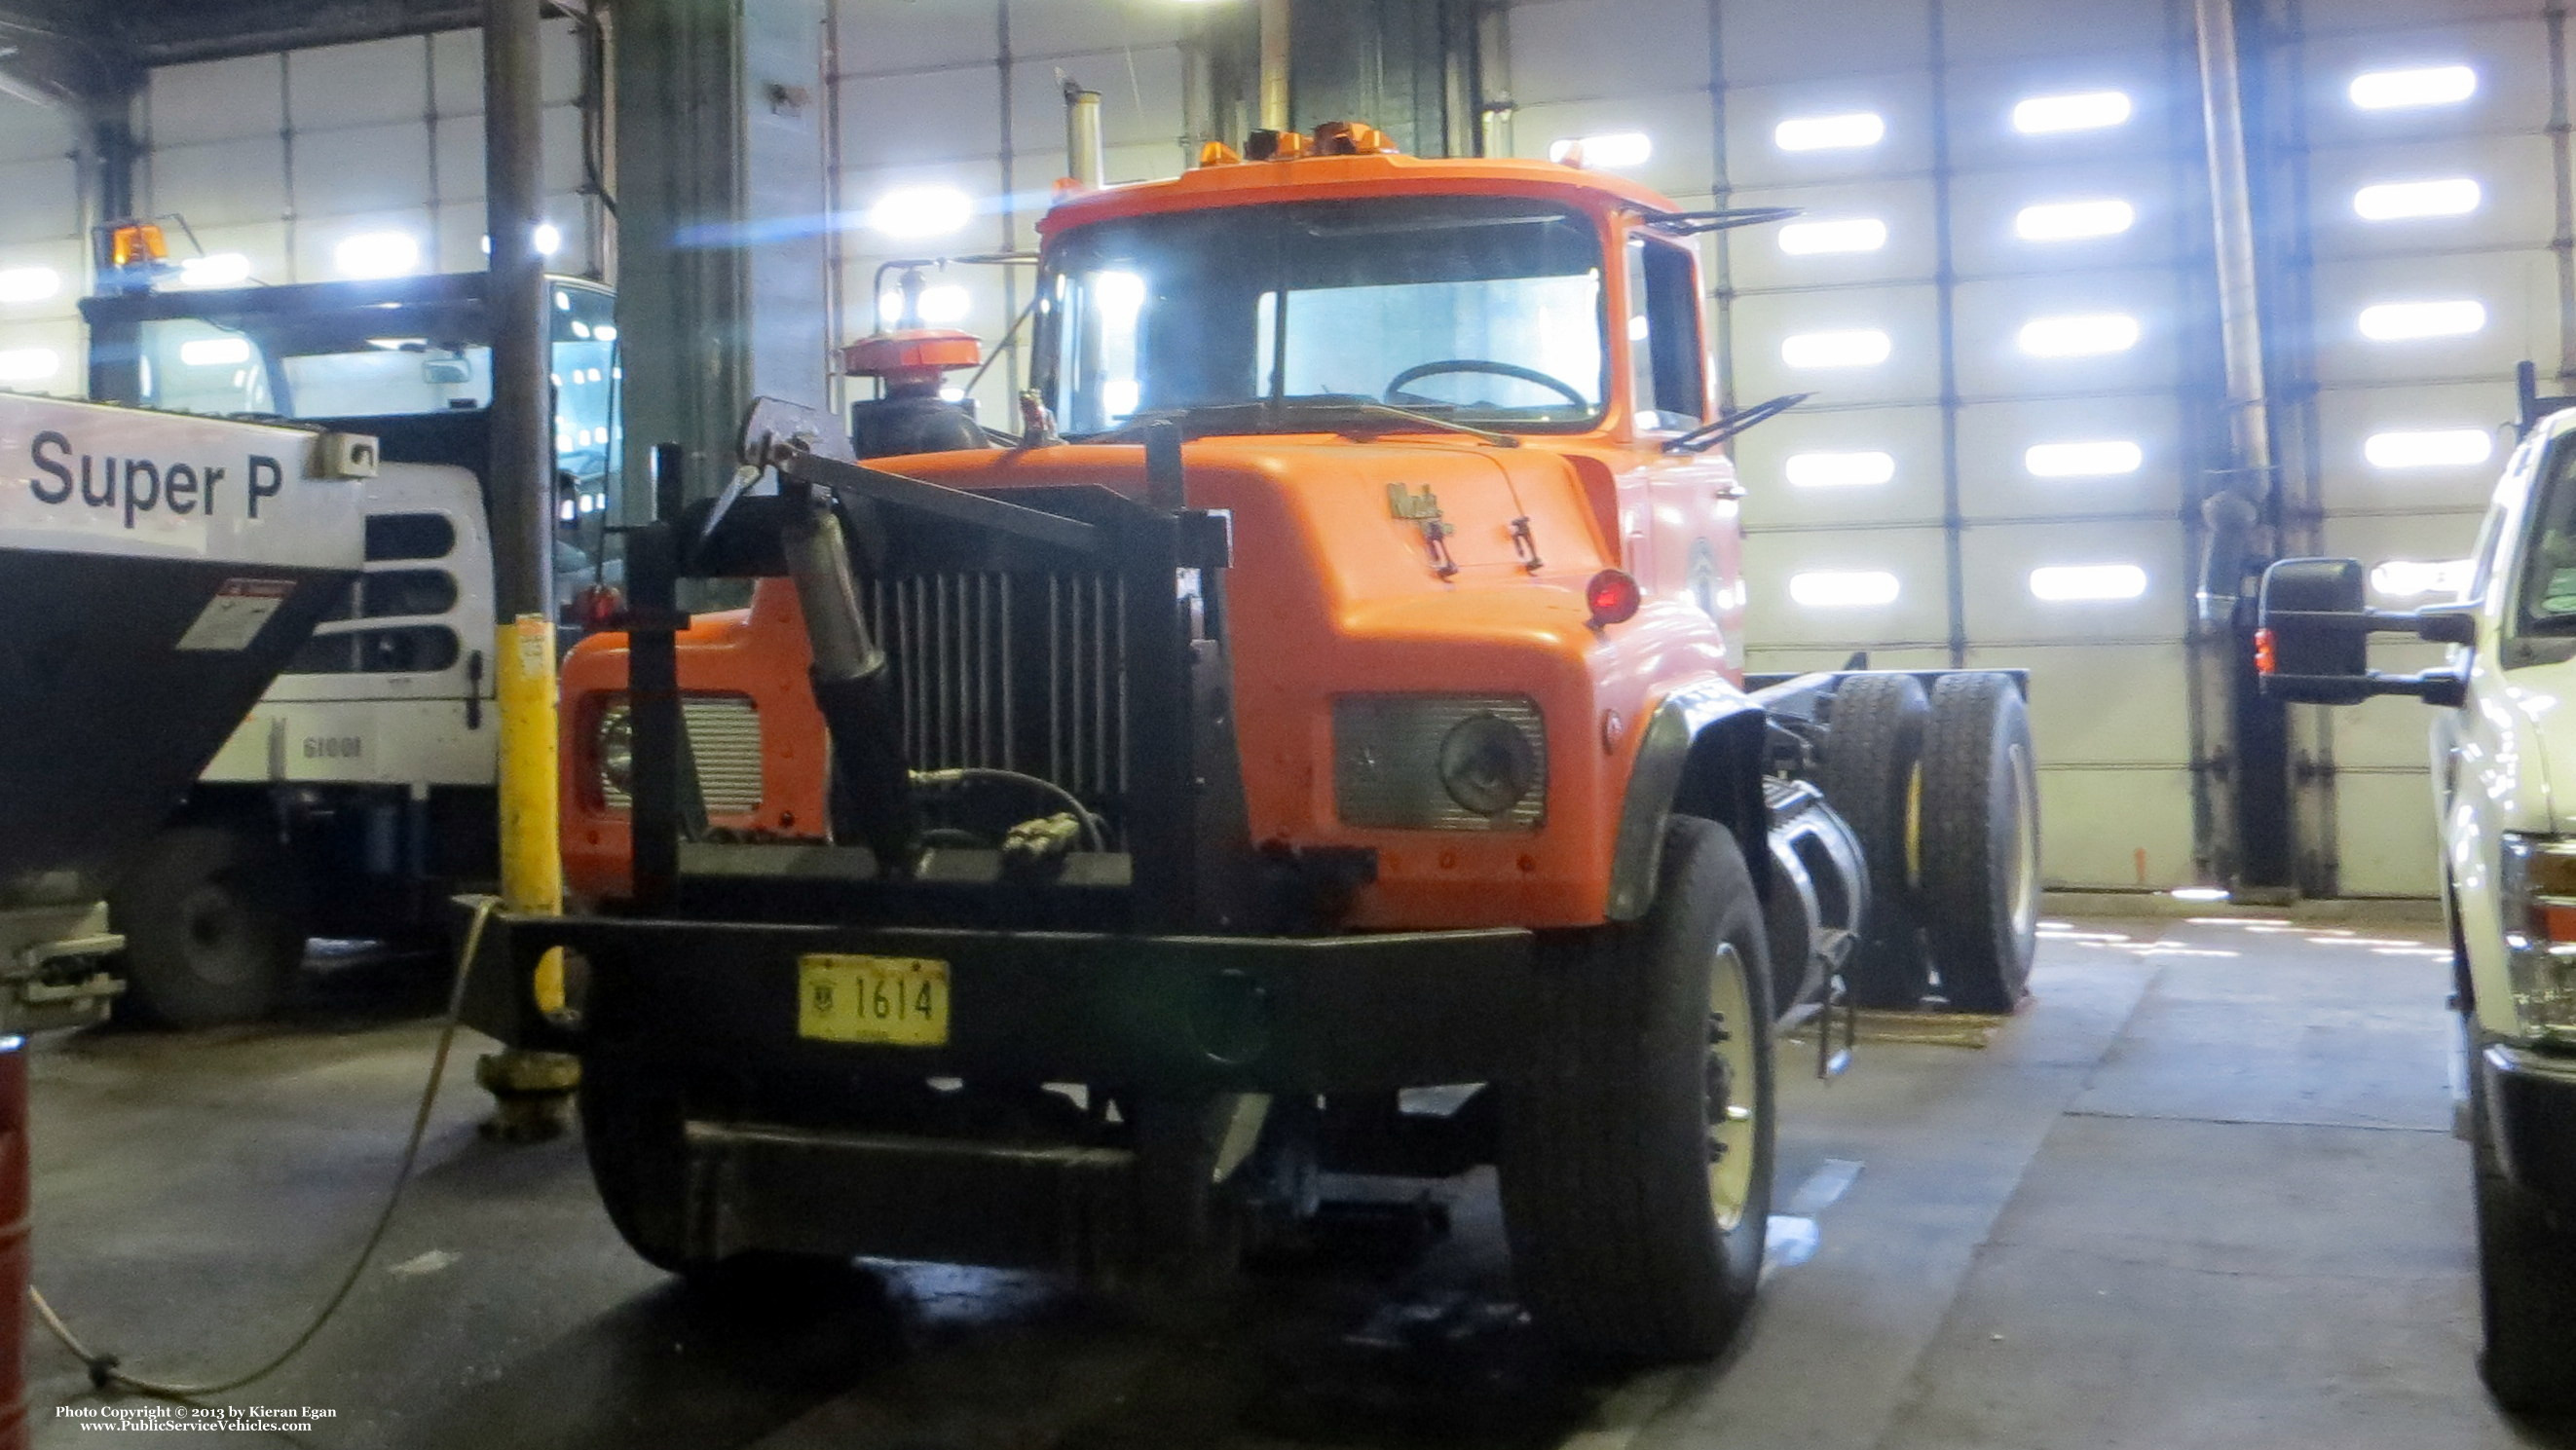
[1086, 840]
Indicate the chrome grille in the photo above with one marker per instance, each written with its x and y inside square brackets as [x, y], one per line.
[724, 743]
[1024, 672]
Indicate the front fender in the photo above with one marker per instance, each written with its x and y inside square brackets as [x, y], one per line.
[1701, 755]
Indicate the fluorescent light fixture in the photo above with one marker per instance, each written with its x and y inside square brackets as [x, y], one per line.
[1119, 396]
[2429, 448]
[2088, 335]
[549, 239]
[1839, 470]
[921, 211]
[377, 254]
[1854, 234]
[2415, 578]
[605, 332]
[218, 269]
[1843, 588]
[2432, 85]
[29, 284]
[2104, 459]
[2066, 221]
[2394, 201]
[2082, 111]
[28, 364]
[1858, 348]
[2400, 321]
[2067, 583]
[1611, 152]
[215, 352]
[2198, 893]
[1830, 133]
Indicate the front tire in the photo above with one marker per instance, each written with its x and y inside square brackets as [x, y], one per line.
[214, 925]
[2526, 1285]
[1636, 1158]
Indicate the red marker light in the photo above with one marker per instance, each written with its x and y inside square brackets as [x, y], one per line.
[601, 606]
[1612, 597]
[2265, 659]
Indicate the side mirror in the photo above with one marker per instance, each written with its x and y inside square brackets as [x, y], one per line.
[2313, 643]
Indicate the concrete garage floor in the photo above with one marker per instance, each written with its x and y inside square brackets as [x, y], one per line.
[2201, 1193]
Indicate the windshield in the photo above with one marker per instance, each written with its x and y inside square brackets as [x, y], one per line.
[2547, 589]
[1484, 310]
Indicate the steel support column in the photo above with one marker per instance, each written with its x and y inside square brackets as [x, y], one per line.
[2237, 499]
[722, 215]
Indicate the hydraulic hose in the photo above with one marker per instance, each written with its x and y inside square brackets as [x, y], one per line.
[106, 1372]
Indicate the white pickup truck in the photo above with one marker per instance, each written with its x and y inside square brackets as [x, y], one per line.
[2504, 784]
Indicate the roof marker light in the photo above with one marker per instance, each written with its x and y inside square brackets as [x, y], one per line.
[1843, 589]
[1853, 234]
[2105, 459]
[2067, 221]
[2429, 448]
[1844, 132]
[1613, 152]
[2392, 201]
[1857, 348]
[2089, 335]
[1839, 470]
[2069, 583]
[2082, 111]
[2433, 85]
[2402, 321]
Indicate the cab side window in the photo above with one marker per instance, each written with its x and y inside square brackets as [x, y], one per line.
[1664, 353]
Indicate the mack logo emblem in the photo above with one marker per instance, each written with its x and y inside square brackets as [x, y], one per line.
[1417, 507]
[137, 486]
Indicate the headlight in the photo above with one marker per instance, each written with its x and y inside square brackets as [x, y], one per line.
[2539, 888]
[615, 749]
[1439, 762]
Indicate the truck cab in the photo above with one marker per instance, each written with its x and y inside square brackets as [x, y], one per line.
[1336, 688]
[2503, 749]
[359, 792]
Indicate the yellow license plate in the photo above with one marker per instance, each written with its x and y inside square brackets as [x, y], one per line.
[902, 1001]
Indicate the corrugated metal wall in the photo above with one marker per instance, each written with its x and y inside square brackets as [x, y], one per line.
[42, 251]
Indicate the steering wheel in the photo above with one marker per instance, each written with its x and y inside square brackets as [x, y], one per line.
[1395, 389]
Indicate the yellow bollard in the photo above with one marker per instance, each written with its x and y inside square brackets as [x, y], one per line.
[531, 1091]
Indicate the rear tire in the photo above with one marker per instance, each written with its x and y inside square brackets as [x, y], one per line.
[2526, 1285]
[1872, 749]
[1980, 834]
[633, 1127]
[214, 924]
[1635, 1159]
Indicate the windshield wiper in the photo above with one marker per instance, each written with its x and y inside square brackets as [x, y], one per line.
[1433, 420]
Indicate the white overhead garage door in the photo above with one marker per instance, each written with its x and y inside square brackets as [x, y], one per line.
[952, 139]
[1983, 294]
[2419, 138]
[43, 251]
[354, 160]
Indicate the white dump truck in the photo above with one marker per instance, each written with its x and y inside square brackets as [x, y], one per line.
[156, 572]
[358, 794]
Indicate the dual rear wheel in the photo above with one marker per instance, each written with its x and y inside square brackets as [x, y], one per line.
[1939, 787]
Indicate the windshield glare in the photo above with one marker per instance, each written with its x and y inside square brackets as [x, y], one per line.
[1480, 309]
